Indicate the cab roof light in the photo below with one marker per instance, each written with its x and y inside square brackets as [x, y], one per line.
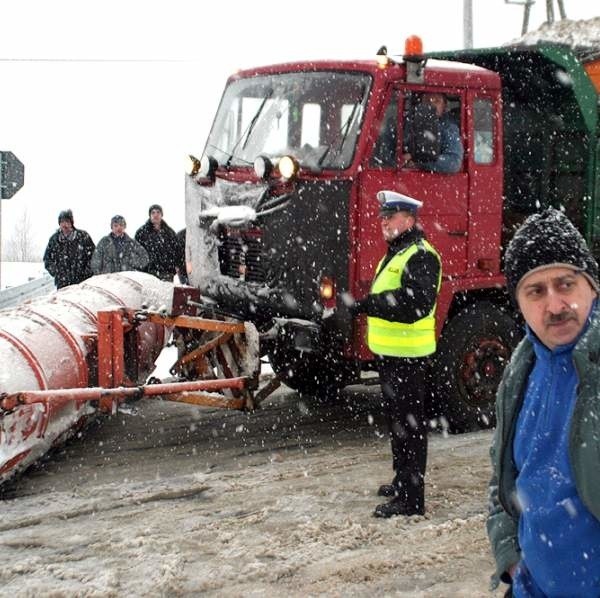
[413, 48]
[414, 59]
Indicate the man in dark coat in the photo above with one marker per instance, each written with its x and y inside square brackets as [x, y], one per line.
[69, 251]
[161, 243]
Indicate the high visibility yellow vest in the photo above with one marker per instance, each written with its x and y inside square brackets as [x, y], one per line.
[396, 338]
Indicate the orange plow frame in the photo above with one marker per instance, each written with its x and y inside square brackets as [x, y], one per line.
[114, 387]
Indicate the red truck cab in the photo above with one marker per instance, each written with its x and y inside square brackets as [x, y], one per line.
[282, 216]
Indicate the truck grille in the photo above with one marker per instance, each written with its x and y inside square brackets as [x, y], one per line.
[241, 255]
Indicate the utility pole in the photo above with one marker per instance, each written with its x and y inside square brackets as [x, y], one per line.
[468, 23]
[527, 4]
[549, 12]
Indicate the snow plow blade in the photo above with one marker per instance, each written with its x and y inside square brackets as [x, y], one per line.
[88, 348]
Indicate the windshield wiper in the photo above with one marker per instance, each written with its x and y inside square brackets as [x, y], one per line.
[246, 133]
[344, 130]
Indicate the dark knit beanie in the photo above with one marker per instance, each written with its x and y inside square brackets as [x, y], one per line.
[118, 219]
[66, 215]
[154, 206]
[545, 240]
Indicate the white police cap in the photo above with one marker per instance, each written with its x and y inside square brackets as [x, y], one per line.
[391, 201]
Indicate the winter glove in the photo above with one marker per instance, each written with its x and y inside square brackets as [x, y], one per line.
[358, 307]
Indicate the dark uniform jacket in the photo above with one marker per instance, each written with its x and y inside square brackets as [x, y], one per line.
[418, 293]
[67, 259]
[163, 249]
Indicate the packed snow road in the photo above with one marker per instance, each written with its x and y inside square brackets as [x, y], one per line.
[176, 501]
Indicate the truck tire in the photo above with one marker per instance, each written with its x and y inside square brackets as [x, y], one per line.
[473, 351]
[318, 375]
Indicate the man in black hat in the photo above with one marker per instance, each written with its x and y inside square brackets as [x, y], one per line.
[161, 243]
[68, 253]
[544, 519]
[401, 333]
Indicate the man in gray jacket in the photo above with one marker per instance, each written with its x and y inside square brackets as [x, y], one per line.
[544, 517]
[118, 252]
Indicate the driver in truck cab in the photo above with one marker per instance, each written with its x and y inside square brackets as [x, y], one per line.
[450, 157]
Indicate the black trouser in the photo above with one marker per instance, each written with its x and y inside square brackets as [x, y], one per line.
[403, 386]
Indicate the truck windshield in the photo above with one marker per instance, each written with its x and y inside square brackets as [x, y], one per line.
[315, 117]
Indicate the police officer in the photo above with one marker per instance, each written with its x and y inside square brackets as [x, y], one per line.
[400, 312]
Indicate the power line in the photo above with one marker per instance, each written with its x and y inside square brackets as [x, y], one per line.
[141, 60]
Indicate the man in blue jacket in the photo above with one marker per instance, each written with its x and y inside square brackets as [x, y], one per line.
[451, 153]
[544, 518]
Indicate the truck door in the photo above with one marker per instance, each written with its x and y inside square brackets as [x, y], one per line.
[445, 197]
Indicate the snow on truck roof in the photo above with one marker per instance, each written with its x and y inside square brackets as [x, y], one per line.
[583, 36]
[451, 65]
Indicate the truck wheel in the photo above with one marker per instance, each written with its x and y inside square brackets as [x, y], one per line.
[318, 375]
[473, 350]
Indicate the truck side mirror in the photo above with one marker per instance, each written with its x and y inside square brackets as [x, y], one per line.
[423, 133]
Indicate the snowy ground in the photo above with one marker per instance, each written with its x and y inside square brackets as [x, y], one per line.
[174, 501]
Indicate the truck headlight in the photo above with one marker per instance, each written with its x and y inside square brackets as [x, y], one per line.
[263, 167]
[288, 167]
[192, 165]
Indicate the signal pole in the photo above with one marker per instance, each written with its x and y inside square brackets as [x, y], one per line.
[12, 176]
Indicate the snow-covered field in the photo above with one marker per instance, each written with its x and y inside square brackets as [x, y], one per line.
[175, 501]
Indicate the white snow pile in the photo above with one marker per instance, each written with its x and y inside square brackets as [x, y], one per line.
[235, 216]
[584, 34]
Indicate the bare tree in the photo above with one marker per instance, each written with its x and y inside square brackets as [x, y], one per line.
[19, 245]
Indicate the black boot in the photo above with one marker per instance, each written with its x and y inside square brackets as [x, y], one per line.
[409, 499]
[387, 490]
[397, 506]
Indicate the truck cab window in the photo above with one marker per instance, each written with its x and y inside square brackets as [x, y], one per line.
[385, 154]
[290, 114]
[311, 125]
[483, 122]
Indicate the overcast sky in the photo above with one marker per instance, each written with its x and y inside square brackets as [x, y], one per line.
[102, 100]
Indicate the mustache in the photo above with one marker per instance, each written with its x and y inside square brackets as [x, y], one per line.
[563, 316]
